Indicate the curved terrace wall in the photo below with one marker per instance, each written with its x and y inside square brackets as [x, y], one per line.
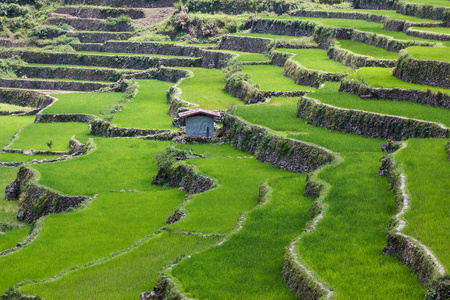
[99, 13]
[36, 201]
[25, 98]
[90, 24]
[283, 153]
[303, 76]
[122, 3]
[71, 73]
[354, 60]
[436, 99]
[428, 72]
[52, 85]
[366, 123]
[108, 61]
[246, 44]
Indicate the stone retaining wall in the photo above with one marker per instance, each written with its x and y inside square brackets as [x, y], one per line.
[323, 34]
[63, 118]
[283, 153]
[25, 98]
[428, 72]
[94, 47]
[366, 123]
[105, 129]
[90, 24]
[436, 99]
[108, 61]
[354, 60]
[69, 73]
[424, 11]
[250, 94]
[184, 176]
[340, 15]
[303, 76]
[122, 3]
[100, 13]
[99, 37]
[36, 201]
[51, 85]
[371, 4]
[428, 35]
[246, 44]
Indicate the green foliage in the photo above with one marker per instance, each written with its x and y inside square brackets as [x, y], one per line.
[8, 66]
[110, 21]
[165, 160]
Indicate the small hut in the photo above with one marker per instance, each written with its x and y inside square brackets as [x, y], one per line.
[199, 122]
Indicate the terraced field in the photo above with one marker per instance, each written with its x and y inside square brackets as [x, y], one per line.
[327, 177]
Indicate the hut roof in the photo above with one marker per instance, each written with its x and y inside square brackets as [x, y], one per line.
[199, 111]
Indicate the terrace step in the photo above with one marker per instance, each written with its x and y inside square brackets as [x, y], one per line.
[122, 3]
[100, 12]
[140, 62]
[71, 73]
[92, 24]
[36, 84]
[99, 37]
[428, 35]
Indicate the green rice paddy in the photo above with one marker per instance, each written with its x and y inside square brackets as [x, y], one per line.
[228, 245]
[366, 50]
[270, 78]
[316, 59]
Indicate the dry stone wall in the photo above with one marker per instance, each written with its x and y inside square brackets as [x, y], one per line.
[72, 73]
[283, 153]
[25, 98]
[123, 3]
[367, 123]
[52, 85]
[90, 24]
[309, 77]
[428, 35]
[436, 99]
[353, 60]
[428, 72]
[108, 61]
[246, 44]
[99, 37]
[62, 118]
[99, 13]
[105, 129]
[36, 201]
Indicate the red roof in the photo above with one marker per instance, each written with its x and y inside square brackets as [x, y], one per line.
[199, 111]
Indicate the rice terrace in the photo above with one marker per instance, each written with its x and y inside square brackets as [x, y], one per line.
[220, 149]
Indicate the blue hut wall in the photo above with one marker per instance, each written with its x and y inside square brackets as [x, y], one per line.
[198, 125]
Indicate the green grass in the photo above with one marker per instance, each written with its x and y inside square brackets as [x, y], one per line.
[345, 249]
[11, 108]
[329, 95]
[10, 125]
[235, 194]
[16, 157]
[111, 222]
[316, 59]
[125, 276]
[427, 53]
[441, 30]
[427, 172]
[212, 81]
[366, 50]
[148, 109]
[383, 78]
[250, 261]
[36, 135]
[270, 78]
[82, 103]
